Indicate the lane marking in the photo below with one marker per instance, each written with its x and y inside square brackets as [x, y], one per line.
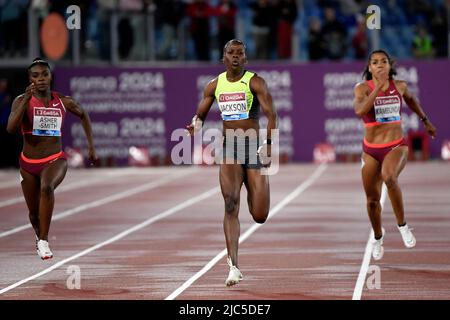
[294, 194]
[108, 199]
[67, 187]
[119, 236]
[357, 292]
[8, 184]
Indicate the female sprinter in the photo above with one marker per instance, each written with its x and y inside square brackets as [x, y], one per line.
[40, 113]
[378, 101]
[239, 94]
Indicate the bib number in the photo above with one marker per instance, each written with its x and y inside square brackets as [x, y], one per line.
[47, 122]
[387, 109]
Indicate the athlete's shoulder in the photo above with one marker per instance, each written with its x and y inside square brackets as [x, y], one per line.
[362, 85]
[401, 84]
[254, 77]
[210, 87]
[361, 89]
[213, 82]
[64, 98]
[60, 95]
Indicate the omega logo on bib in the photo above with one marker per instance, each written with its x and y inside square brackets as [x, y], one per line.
[233, 105]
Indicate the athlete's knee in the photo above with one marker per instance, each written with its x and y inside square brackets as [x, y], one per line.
[260, 218]
[373, 203]
[390, 180]
[231, 204]
[259, 214]
[47, 189]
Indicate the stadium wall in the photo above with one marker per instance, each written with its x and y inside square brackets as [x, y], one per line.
[131, 106]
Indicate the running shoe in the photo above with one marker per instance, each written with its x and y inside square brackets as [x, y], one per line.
[234, 276]
[43, 250]
[408, 238]
[37, 240]
[377, 247]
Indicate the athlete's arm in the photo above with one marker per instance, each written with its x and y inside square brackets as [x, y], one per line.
[363, 102]
[74, 108]
[259, 87]
[414, 105]
[203, 107]
[18, 109]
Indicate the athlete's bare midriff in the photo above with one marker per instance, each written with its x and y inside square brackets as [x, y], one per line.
[241, 124]
[384, 133]
[37, 147]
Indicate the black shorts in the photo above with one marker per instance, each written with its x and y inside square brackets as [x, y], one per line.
[243, 150]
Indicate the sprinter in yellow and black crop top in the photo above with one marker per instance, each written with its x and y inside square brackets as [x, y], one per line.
[378, 102]
[239, 94]
[235, 99]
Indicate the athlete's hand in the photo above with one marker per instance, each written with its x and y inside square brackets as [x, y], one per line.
[431, 129]
[195, 125]
[29, 91]
[265, 154]
[93, 159]
[382, 77]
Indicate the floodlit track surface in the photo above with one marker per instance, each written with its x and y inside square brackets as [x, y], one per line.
[156, 233]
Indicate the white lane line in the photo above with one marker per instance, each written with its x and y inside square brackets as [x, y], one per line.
[119, 236]
[111, 198]
[357, 292]
[294, 194]
[7, 184]
[15, 182]
[67, 187]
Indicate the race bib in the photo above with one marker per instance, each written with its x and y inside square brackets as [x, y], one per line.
[387, 109]
[233, 106]
[47, 122]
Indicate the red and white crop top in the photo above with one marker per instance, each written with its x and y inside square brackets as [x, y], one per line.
[40, 120]
[386, 107]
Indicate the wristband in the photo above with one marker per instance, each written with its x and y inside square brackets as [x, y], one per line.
[268, 141]
[424, 119]
[197, 123]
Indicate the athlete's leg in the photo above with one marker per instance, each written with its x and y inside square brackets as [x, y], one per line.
[393, 164]
[258, 194]
[31, 192]
[51, 177]
[372, 181]
[231, 179]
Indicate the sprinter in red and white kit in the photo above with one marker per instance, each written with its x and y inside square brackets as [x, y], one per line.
[40, 113]
[378, 101]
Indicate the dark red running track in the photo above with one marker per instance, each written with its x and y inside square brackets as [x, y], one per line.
[142, 233]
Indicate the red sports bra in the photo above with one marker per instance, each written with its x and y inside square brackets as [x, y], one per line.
[386, 107]
[40, 120]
